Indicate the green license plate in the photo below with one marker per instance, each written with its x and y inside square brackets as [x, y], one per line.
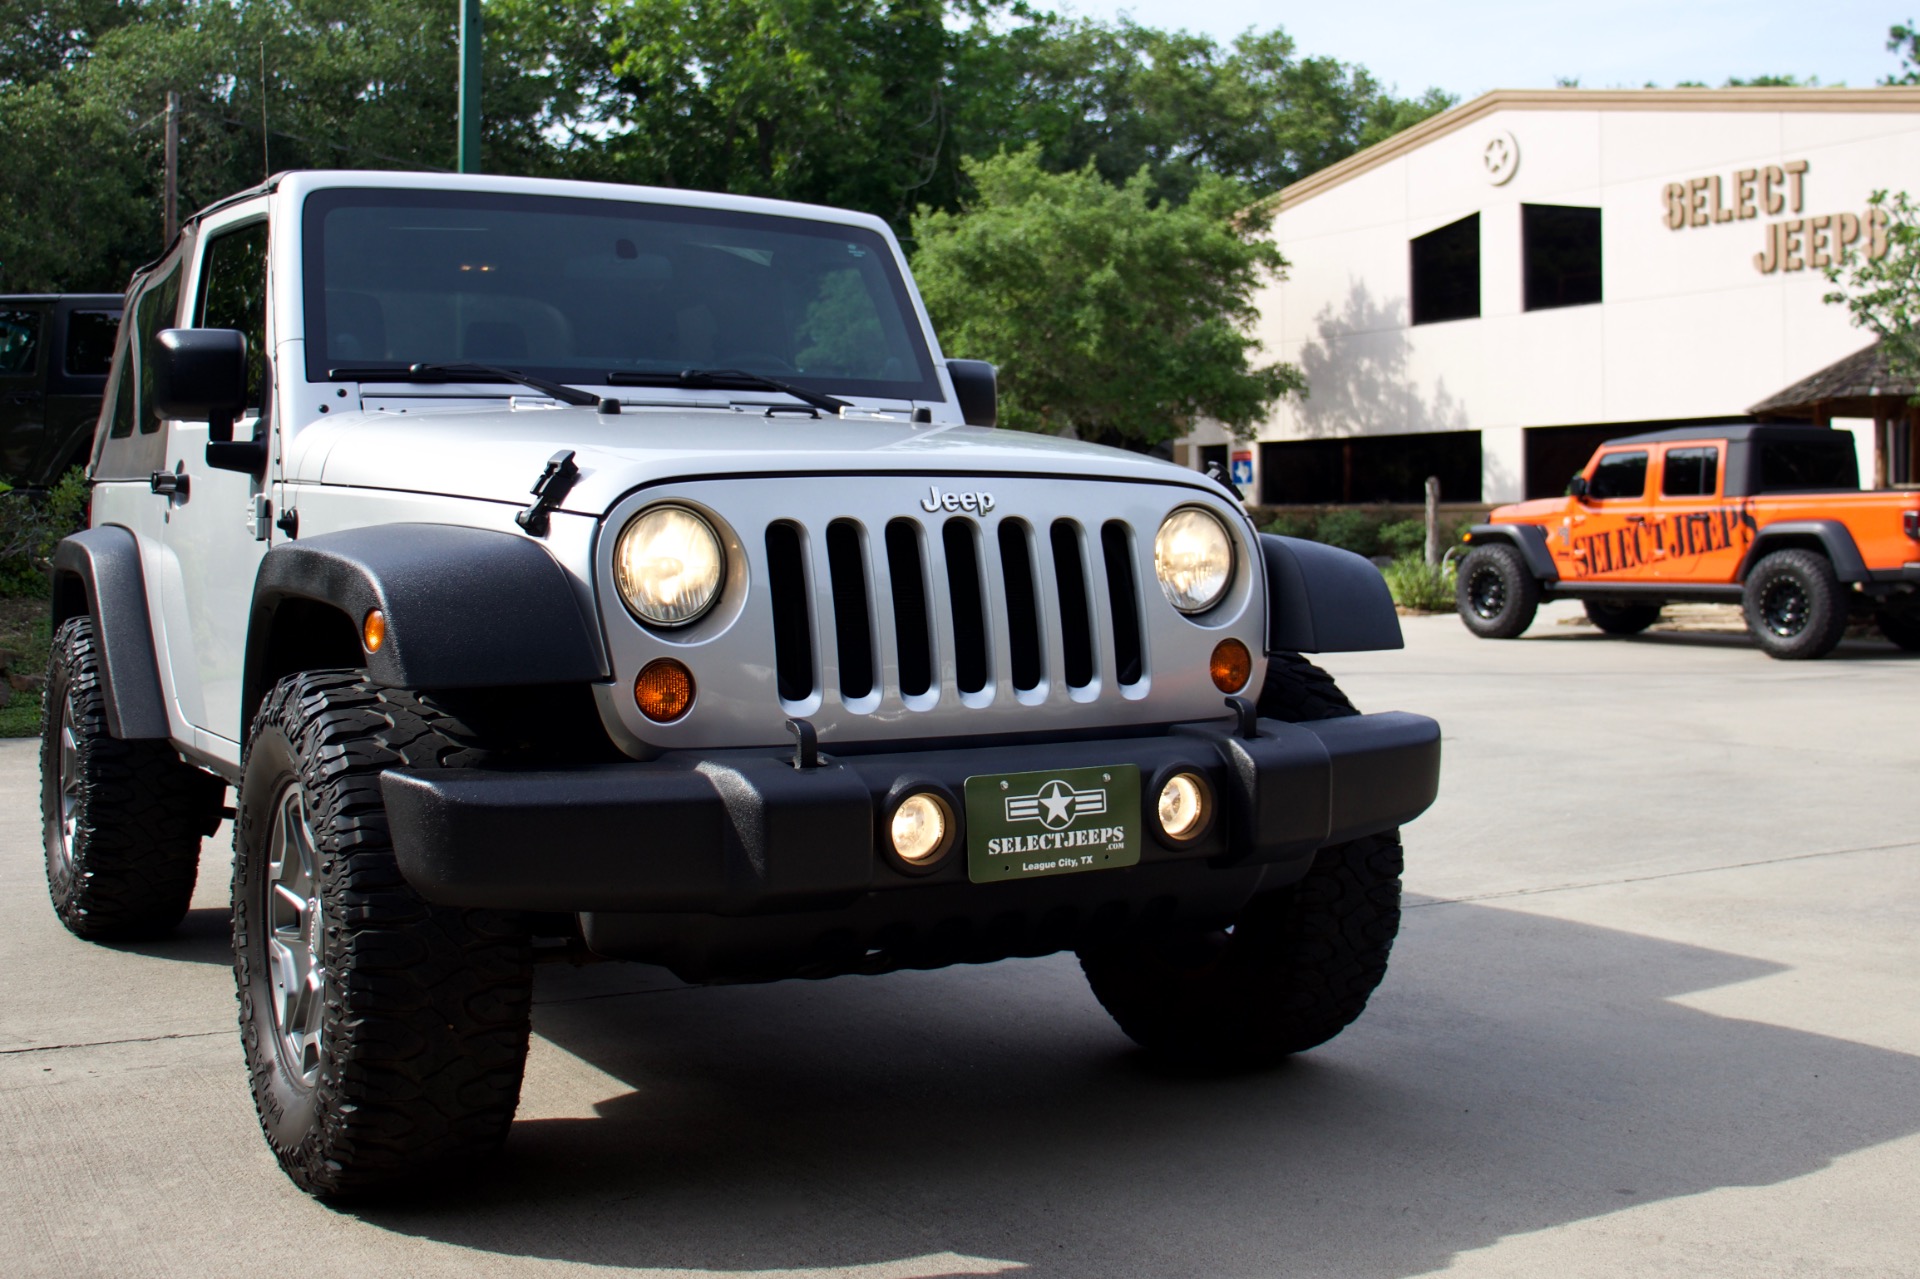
[1053, 822]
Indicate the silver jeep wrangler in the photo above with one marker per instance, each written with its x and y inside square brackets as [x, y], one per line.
[556, 569]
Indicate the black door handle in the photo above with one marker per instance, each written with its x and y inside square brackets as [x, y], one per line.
[171, 483]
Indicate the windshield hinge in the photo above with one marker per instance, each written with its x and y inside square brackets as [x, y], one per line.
[549, 491]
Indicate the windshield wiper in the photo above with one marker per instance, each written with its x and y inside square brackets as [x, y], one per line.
[727, 379]
[459, 372]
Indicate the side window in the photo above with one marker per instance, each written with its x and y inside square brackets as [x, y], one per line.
[1619, 475]
[19, 343]
[233, 295]
[1690, 473]
[90, 336]
[156, 309]
[119, 411]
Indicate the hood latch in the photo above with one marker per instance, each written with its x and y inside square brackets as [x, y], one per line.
[549, 491]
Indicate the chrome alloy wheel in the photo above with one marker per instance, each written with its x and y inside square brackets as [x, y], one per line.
[68, 812]
[1487, 593]
[295, 937]
[1785, 608]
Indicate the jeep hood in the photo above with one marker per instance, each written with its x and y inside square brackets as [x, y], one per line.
[1536, 511]
[495, 454]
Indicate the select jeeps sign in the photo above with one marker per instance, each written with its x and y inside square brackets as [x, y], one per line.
[1053, 822]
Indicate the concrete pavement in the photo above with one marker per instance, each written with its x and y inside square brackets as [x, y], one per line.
[1653, 1012]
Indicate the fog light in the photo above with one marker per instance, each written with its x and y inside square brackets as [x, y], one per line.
[1183, 807]
[1231, 666]
[373, 631]
[663, 690]
[919, 830]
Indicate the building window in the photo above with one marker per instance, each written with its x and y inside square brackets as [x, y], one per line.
[1560, 245]
[1446, 272]
[1371, 468]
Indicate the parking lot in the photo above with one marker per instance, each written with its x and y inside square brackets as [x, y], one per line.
[1653, 1012]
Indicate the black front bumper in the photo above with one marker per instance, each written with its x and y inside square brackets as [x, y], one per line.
[744, 834]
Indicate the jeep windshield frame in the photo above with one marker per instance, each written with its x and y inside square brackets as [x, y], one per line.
[583, 291]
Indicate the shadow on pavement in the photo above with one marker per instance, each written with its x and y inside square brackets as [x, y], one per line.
[205, 936]
[1515, 1073]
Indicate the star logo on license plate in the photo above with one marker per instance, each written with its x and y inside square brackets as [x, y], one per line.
[1056, 806]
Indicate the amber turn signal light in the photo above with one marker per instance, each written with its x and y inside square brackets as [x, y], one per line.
[1231, 667]
[373, 631]
[663, 690]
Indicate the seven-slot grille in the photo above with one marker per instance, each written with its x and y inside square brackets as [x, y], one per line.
[906, 596]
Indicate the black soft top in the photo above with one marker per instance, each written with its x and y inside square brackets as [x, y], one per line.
[1819, 467]
[1740, 432]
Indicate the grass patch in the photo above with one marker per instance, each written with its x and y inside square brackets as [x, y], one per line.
[1418, 585]
[26, 631]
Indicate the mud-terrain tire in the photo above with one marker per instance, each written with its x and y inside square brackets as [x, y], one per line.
[1901, 626]
[1298, 965]
[384, 1035]
[1496, 594]
[1795, 606]
[1622, 619]
[122, 821]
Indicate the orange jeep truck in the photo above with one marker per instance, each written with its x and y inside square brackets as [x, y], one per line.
[1769, 516]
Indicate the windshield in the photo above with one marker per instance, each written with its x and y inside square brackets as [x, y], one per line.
[576, 289]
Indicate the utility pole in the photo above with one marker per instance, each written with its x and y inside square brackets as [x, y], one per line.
[469, 86]
[170, 206]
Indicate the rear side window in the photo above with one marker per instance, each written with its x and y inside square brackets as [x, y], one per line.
[233, 295]
[19, 342]
[155, 310]
[1690, 473]
[1619, 475]
[90, 337]
[1804, 466]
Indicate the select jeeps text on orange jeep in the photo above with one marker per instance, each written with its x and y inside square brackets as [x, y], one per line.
[1770, 516]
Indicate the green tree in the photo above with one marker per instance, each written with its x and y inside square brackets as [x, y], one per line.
[1883, 293]
[1123, 96]
[1109, 314]
[1903, 38]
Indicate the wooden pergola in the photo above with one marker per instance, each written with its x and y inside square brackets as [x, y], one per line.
[1860, 386]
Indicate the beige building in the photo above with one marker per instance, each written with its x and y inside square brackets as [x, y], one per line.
[1488, 294]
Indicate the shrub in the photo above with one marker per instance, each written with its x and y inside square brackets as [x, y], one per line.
[31, 525]
[1350, 530]
[1417, 584]
[1290, 526]
[1400, 538]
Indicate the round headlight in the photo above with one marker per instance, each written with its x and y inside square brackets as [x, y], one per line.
[1193, 558]
[668, 565]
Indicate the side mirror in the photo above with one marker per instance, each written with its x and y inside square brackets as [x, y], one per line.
[1577, 487]
[200, 375]
[975, 387]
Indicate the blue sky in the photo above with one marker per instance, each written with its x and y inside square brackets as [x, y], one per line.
[1469, 46]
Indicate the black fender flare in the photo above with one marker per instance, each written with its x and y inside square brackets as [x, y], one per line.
[96, 573]
[1529, 539]
[1321, 599]
[464, 607]
[1833, 538]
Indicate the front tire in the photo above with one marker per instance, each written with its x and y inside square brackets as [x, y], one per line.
[1496, 595]
[384, 1035]
[1299, 963]
[1795, 605]
[123, 820]
[1622, 619]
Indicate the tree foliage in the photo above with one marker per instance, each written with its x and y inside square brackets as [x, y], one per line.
[1883, 294]
[868, 104]
[1113, 315]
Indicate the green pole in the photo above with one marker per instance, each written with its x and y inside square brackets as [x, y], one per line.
[469, 86]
